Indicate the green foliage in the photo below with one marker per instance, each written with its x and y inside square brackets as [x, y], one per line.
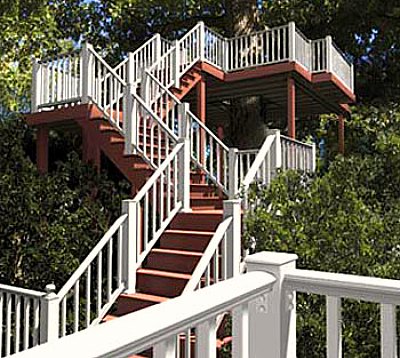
[49, 223]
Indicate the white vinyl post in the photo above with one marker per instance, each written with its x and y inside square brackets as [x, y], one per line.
[130, 69]
[314, 158]
[184, 157]
[333, 327]
[130, 119]
[202, 42]
[157, 50]
[49, 315]
[36, 86]
[130, 234]
[352, 77]
[176, 64]
[272, 318]
[86, 72]
[232, 208]
[292, 41]
[277, 149]
[144, 86]
[233, 172]
[328, 42]
[388, 331]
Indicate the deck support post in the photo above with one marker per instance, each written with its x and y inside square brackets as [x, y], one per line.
[42, 149]
[291, 110]
[232, 208]
[341, 134]
[272, 318]
[201, 114]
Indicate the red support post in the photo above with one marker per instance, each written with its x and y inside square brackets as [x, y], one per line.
[42, 149]
[341, 134]
[291, 110]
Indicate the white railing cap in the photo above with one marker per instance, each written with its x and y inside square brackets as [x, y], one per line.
[142, 329]
[271, 258]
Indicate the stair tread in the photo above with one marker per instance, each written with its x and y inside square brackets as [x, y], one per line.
[189, 232]
[168, 274]
[177, 252]
[145, 297]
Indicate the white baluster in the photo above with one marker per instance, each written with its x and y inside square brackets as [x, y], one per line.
[206, 339]
[240, 331]
[333, 327]
[388, 331]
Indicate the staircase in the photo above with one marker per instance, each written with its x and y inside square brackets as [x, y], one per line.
[177, 234]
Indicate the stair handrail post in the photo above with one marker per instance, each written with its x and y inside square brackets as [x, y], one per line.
[292, 41]
[130, 69]
[272, 318]
[184, 157]
[176, 64]
[86, 71]
[276, 149]
[36, 91]
[314, 158]
[49, 315]
[144, 86]
[157, 47]
[202, 40]
[130, 239]
[233, 172]
[130, 119]
[328, 53]
[232, 208]
[226, 54]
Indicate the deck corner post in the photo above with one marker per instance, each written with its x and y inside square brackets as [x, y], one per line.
[233, 172]
[130, 119]
[176, 64]
[292, 41]
[49, 315]
[36, 85]
[202, 41]
[272, 318]
[232, 208]
[86, 72]
[328, 41]
[130, 232]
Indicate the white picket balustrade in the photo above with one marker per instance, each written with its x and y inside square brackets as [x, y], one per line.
[319, 56]
[20, 312]
[245, 159]
[163, 326]
[208, 152]
[303, 53]
[189, 49]
[215, 48]
[341, 67]
[297, 155]
[56, 81]
[95, 285]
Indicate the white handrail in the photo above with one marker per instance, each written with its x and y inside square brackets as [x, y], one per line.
[160, 324]
[21, 291]
[92, 255]
[211, 255]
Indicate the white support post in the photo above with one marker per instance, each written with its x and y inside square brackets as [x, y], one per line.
[36, 89]
[202, 42]
[352, 77]
[272, 317]
[206, 338]
[233, 172]
[232, 208]
[131, 237]
[240, 331]
[144, 87]
[292, 41]
[277, 149]
[328, 42]
[130, 69]
[176, 64]
[165, 349]
[388, 331]
[314, 158]
[49, 315]
[86, 72]
[130, 120]
[226, 55]
[157, 49]
[184, 175]
[333, 327]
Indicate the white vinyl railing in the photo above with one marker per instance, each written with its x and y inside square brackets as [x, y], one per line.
[246, 158]
[215, 48]
[297, 155]
[94, 287]
[21, 315]
[213, 266]
[163, 326]
[156, 204]
[302, 50]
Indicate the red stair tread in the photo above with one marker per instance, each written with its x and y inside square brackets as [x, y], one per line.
[177, 252]
[168, 274]
[189, 232]
[145, 297]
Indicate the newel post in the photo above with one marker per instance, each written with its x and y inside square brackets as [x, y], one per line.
[272, 318]
[202, 42]
[233, 172]
[292, 41]
[157, 47]
[130, 119]
[176, 64]
[49, 315]
[328, 41]
[184, 157]
[86, 72]
[232, 208]
[276, 150]
[130, 238]
[36, 85]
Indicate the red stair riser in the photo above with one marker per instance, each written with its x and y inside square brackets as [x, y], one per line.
[161, 286]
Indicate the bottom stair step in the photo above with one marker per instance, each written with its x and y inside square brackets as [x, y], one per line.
[128, 303]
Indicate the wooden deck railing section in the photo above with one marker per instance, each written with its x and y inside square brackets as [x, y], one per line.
[262, 303]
